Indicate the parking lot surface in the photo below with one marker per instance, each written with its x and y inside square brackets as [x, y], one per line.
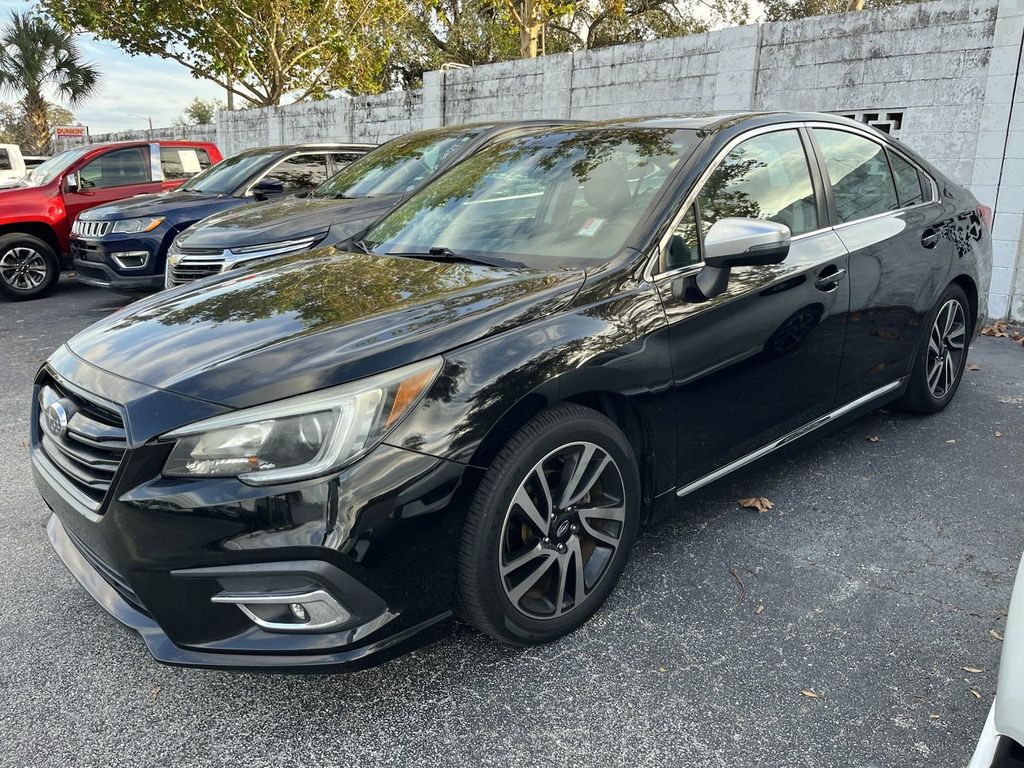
[832, 630]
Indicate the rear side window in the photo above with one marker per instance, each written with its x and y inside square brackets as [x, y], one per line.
[862, 184]
[5, 161]
[909, 185]
[765, 177]
[119, 168]
[183, 162]
[301, 172]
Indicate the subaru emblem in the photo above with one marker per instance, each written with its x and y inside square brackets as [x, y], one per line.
[56, 419]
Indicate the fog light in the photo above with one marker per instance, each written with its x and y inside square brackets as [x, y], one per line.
[130, 259]
[314, 611]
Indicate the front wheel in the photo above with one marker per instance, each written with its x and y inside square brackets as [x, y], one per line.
[550, 528]
[939, 365]
[28, 267]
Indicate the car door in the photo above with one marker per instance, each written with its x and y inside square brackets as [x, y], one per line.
[886, 211]
[114, 175]
[761, 359]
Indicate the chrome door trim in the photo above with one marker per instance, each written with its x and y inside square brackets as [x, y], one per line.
[789, 437]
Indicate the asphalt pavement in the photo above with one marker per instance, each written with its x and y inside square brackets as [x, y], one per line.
[832, 630]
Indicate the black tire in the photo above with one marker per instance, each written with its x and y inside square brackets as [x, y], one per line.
[595, 545]
[28, 267]
[922, 395]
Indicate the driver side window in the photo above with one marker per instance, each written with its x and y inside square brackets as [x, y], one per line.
[764, 177]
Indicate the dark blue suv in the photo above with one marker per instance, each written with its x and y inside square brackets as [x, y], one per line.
[124, 245]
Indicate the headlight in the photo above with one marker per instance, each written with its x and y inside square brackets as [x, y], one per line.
[134, 226]
[300, 437]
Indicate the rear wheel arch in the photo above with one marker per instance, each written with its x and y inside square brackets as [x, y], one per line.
[971, 289]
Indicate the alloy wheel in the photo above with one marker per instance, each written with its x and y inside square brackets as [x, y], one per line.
[561, 530]
[946, 348]
[23, 268]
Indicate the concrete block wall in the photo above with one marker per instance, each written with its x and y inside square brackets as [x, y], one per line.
[951, 68]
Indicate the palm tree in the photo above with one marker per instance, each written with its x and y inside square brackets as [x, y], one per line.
[35, 55]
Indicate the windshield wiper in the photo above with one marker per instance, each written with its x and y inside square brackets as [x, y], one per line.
[447, 254]
[361, 245]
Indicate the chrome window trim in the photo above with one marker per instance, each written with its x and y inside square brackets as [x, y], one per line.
[156, 171]
[654, 260]
[258, 179]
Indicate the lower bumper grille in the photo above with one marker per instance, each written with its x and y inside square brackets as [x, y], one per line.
[109, 574]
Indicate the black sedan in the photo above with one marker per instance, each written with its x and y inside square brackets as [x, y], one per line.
[311, 460]
[123, 245]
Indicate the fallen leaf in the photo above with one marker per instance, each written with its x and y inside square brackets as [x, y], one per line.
[974, 692]
[972, 670]
[154, 692]
[998, 433]
[951, 441]
[972, 367]
[810, 694]
[759, 503]
[996, 634]
[759, 609]
[997, 329]
[934, 716]
[874, 439]
[662, 669]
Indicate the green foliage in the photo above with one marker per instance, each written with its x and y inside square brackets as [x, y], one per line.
[35, 56]
[200, 112]
[14, 128]
[261, 50]
[784, 10]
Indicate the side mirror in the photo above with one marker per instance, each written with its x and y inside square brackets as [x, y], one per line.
[72, 183]
[735, 242]
[267, 186]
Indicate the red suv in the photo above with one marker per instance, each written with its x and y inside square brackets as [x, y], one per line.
[36, 215]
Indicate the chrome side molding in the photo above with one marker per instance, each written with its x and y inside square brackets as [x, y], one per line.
[789, 437]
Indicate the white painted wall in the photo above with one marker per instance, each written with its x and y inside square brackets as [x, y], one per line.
[951, 67]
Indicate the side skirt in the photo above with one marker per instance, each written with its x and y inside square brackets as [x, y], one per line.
[788, 438]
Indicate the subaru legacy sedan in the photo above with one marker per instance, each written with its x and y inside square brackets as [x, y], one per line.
[309, 461]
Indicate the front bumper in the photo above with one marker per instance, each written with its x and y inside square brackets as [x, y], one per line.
[155, 551]
[95, 266]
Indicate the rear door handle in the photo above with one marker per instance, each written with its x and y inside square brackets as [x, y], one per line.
[829, 279]
[930, 238]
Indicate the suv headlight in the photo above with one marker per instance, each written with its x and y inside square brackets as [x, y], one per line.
[300, 437]
[135, 226]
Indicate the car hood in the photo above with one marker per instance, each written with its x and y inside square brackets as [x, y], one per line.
[165, 204]
[289, 219]
[307, 322]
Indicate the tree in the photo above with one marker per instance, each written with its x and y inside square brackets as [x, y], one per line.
[14, 128]
[200, 112]
[784, 10]
[259, 50]
[36, 55]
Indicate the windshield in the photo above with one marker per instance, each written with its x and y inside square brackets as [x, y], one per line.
[227, 175]
[550, 200]
[399, 166]
[46, 172]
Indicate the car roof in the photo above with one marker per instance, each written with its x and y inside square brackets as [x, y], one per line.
[712, 122]
[146, 142]
[310, 146]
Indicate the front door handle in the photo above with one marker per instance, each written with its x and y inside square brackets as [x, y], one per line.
[829, 278]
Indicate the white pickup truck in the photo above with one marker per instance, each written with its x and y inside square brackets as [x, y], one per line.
[12, 165]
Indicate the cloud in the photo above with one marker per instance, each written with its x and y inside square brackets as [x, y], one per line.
[131, 86]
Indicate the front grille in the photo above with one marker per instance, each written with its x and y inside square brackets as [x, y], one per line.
[187, 271]
[88, 452]
[86, 228]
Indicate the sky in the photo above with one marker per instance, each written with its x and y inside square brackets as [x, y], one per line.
[135, 88]
[132, 89]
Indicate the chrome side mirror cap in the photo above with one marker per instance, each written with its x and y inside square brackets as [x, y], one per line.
[735, 242]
